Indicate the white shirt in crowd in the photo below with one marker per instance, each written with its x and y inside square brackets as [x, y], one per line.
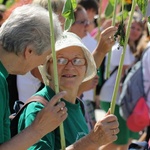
[91, 44]
[108, 88]
[27, 85]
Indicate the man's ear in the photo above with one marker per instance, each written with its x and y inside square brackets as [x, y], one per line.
[28, 52]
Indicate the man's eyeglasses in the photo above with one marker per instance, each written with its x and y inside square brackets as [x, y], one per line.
[76, 61]
[84, 22]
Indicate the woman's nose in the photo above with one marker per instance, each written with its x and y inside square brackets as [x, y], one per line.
[69, 65]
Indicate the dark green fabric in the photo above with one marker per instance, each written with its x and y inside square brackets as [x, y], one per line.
[4, 106]
[75, 126]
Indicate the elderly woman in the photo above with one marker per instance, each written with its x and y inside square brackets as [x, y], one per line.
[75, 65]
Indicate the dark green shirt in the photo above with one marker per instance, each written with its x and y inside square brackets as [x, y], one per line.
[75, 125]
[4, 106]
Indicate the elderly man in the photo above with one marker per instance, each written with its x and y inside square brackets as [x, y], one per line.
[24, 45]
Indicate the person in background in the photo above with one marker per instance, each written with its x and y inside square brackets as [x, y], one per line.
[29, 84]
[125, 136]
[143, 45]
[91, 7]
[75, 65]
[146, 73]
[57, 7]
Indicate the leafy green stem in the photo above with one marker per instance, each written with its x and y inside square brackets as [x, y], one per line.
[109, 54]
[113, 102]
[62, 136]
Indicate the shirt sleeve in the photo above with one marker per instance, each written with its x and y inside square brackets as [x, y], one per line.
[26, 118]
[4, 119]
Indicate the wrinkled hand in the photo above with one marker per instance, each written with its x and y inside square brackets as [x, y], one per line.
[107, 39]
[105, 130]
[51, 116]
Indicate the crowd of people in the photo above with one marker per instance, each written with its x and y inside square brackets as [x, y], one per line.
[27, 69]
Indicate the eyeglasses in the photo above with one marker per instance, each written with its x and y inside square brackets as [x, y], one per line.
[84, 22]
[75, 61]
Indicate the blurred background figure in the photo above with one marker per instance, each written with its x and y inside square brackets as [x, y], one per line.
[125, 136]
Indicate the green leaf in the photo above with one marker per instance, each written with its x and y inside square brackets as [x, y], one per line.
[9, 3]
[74, 4]
[112, 2]
[109, 10]
[68, 12]
[1, 1]
[68, 24]
[143, 6]
[123, 15]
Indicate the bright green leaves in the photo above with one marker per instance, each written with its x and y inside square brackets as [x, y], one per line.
[68, 13]
[1, 1]
[121, 15]
[120, 34]
[142, 5]
[8, 3]
[110, 8]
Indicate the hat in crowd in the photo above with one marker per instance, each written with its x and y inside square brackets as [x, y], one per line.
[70, 39]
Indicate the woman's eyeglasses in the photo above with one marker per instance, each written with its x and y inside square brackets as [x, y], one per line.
[75, 61]
[84, 22]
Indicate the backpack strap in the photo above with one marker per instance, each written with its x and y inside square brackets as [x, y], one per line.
[41, 86]
[81, 105]
[18, 104]
[15, 118]
[37, 98]
[112, 72]
[145, 94]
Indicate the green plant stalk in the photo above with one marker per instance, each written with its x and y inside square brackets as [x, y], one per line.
[99, 20]
[109, 54]
[113, 102]
[122, 7]
[62, 136]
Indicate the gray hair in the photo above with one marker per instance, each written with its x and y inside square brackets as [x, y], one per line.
[57, 5]
[28, 25]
